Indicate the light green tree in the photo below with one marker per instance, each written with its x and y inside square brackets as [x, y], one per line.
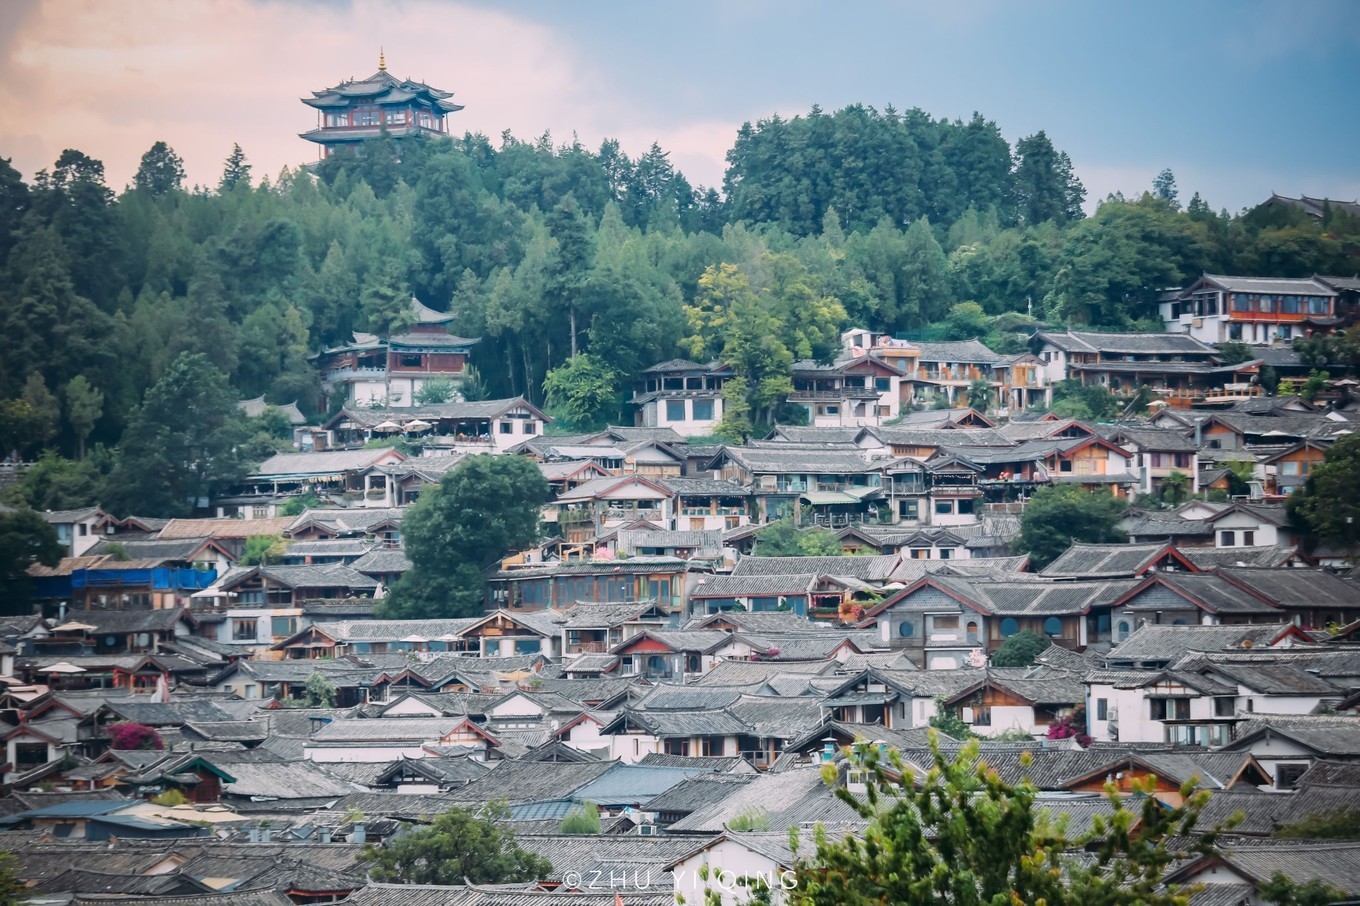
[84, 405]
[959, 834]
[321, 692]
[582, 393]
[1058, 515]
[458, 847]
[484, 509]
[583, 819]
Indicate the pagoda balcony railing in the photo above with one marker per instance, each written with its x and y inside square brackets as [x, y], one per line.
[715, 511]
[342, 373]
[845, 393]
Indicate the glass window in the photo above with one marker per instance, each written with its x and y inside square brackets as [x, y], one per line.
[1319, 305]
[944, 507]
[906, 629]
[507, 427]
[282, 626]
[909, 510]
[675, 410]
[703, 410]
[1248, 539]
[1053, 627]
[965, 506]
[244, 630]
[1123, 629]
[1009, 627]
[1227, 539]
[1102, 709]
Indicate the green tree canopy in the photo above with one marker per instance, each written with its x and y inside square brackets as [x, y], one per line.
[959, 834]
[582, 393]
[458, 847]
[486, 508]
[1327, 508]
[187, 436]
[1059, 515]
[782, 538]
[582, 820]
[160, 172]
[25, 538]
[1020, 650]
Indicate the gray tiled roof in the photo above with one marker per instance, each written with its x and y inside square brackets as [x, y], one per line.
[382, 560]
[532, 781]
[958, 351]
[1127, 343]
[1286, 285]
[1311, 588]
[1167, 643]
[1103, 560]
[869, 569]
[1210, 593]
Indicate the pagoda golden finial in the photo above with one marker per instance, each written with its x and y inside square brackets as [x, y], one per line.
[382, 61]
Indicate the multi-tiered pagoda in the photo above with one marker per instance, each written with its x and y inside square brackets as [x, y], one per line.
[356, 111]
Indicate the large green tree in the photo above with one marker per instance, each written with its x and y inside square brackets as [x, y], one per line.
[486, 508]
[459, 847]
[582, 393]
[1059, 515]
[782, 538]
[187, 437]
[960, 834]
[25, 538]
[84, 405]
[161, 171]
[1327, 508]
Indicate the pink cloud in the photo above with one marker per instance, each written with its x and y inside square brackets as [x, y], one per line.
[112, 78]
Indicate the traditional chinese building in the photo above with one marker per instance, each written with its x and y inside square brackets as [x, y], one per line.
[390, 371]
[358, 110]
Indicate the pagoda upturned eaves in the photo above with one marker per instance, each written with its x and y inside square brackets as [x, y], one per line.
[358, 110]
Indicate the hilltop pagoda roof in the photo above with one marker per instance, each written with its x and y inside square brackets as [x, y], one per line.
[382, 89]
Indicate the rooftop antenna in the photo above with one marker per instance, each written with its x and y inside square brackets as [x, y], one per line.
[382, 60]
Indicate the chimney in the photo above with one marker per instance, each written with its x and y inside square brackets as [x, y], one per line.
[359, 834]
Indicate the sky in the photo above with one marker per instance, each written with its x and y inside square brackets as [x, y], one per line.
[1239, 99]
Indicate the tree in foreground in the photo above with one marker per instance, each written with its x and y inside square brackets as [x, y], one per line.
[1020, 650]
[961, 835]
[582, 393]
[1328, 506]
[486, 508]
[13, 890]
[187, 436]
[1059, 515]
[25, 538]
[582, 820]
[459, 847]
[782, 538]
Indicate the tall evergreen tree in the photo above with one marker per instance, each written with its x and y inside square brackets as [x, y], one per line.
[160, 172]
[236, 171]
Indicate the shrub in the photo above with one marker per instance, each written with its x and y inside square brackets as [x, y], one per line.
[129, 736]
